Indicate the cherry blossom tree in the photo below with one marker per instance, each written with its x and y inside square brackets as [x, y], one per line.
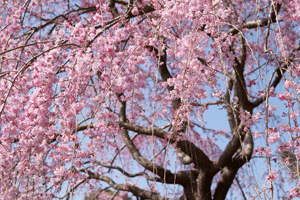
[112, 96]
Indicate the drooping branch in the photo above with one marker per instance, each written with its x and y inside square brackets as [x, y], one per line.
[279, 74]
[241, 189]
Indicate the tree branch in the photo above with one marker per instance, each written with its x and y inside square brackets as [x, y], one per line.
[125, 187]
[163, 71]
[112, 8]
[279, 74]
[198, 157]
[232, 166]
[165, 174]
[257, 23]
[53, 20]
[245, 155]
[131, 175]
[229, 107]
[147, 8]
[231, 148]
[239, 82]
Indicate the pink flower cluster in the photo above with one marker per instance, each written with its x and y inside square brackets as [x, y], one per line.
[264, 151]
[285, 96]
[273, 135]
[294, 193]
[272, 176]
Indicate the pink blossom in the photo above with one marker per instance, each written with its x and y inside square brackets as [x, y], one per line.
[287, 161]
[256, 135]
[273, 137]
[217, 94]
[59, 171]
[256, 116]
[284, 127]
[272, 176]
[294, 193]
[251, 82]
[271, 93]
[285, 96]
[293, 115]
[298, 89]
[135, 11]
[272, 108]
[259, 150]
[266, 151]
[288, 84]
